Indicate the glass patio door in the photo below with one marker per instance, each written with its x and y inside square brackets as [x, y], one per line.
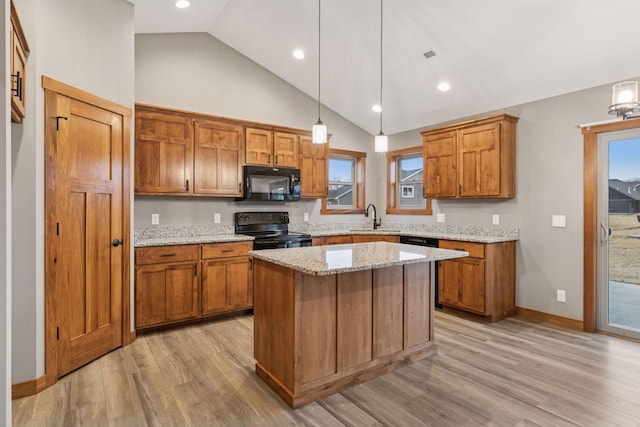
[618, 308]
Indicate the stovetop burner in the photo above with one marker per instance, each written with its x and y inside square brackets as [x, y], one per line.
[270, 229]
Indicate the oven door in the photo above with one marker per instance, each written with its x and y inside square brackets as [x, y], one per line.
[260, 244]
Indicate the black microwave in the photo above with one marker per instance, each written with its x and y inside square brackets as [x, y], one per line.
[271, 184]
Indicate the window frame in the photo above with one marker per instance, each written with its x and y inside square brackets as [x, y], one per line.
[359, 184]
[392, 182]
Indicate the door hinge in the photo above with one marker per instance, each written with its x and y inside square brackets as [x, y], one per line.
[57, 228]
[57, 333]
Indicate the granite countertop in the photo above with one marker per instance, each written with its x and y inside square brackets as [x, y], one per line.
[325, 260]
[479, 238]
[190, 240]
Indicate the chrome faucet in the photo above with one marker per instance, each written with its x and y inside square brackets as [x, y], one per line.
[376, 222]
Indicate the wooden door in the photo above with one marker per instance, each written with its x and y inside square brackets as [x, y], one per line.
[258, 146]
[440, 174]
[218, 158]
[313, 168]
[285, 150]
[163, 153]
[86, 218]
[479, 161]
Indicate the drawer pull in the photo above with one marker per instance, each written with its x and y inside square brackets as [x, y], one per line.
[228, 250]
[167, 255]
[458, 249]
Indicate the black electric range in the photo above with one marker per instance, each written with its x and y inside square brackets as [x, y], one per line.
[270, 230]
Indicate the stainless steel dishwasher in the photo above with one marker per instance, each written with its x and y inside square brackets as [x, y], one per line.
[429, 242]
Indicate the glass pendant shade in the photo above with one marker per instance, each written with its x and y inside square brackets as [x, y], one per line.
[319, 133]
[381, 143]
[624, 99]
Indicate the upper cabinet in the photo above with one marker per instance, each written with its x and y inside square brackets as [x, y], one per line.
[218, 158]
[474, 159]
[19, 53]
[314, 160]
[268, 148]
[163, 153]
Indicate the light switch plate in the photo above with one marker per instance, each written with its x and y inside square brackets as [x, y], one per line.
[440, 217]
[306, 217]
[558, 221]
[496, 219]
[561, 295]
[216, 218]
[155, 219]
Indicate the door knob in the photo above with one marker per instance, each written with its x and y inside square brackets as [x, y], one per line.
[117, 243]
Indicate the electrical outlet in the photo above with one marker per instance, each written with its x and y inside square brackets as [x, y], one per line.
[561, 295]
[558, 221]
[155, 219]
[440, 217]
[496, 219]
[306, 217]
[216, 218]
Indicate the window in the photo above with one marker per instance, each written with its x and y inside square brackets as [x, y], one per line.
[346, 182]
[404, 183]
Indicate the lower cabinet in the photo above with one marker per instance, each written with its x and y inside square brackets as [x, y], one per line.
[374, 238]
[482, 284]
[227, 283]
[356, 238]
[177, 283]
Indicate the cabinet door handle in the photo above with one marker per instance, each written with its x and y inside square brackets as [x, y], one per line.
[275, 159]
[239, 187]
[167, 255]
[18, 89]
[268, 158]
[187, 185]
[228, 250]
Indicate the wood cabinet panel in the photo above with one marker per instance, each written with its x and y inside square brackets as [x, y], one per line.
[226, 285]
[18, 67]
[357, 238]
[354, 314]
[440, 159]
[285, 149]
[483, 283]
[331, 240]
[218, 158]
[314, 163]
[388, 303]
[418, 305]
[163, 153]
[474, 159]
[258, 146]
[166, 254]
[181, 281]
[226, 250]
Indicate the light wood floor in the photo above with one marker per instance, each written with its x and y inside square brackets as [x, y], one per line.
[512, 373]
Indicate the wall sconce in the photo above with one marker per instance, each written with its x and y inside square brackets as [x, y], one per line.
[625, 99]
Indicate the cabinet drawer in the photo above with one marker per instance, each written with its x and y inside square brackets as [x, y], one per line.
[163, 254]
[226, 250]
[336, 240]
[476, 250]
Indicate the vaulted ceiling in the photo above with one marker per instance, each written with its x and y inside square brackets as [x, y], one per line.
[493, 53]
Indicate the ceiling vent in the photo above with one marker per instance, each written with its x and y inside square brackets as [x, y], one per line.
[429, 54]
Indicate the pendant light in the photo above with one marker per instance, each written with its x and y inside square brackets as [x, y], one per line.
[319, 132]
[381, 140]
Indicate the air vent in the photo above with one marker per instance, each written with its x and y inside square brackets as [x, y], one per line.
[429, 54]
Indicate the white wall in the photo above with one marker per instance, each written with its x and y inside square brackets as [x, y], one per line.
[88, 45]
[196, 72]
[5, 227]
[549, 176]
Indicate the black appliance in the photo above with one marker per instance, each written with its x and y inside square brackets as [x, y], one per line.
[429, 242]
[271, 184]
[270, 230]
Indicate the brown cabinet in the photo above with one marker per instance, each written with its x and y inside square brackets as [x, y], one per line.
[268, 148]
[483, 283]
[314, 161]
[331, 240]
[166, 284]
[357, 238]
[226, 277]
[19, 53]
[474, 159]
[217, 158]
[163, 153]
[168, 289]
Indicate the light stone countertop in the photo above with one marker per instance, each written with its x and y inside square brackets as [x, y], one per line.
[478, 238]
[190, 240]
[325, 260]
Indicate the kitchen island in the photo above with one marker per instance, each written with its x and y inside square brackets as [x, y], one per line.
[329, 317]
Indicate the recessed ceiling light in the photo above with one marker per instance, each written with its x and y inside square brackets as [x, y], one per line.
[377, 108]
[181, 4]
[443, 86]
[298, 54]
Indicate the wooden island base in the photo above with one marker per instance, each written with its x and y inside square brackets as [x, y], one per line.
[318, 335]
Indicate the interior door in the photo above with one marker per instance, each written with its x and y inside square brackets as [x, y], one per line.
[85, 200]
[618, 293]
